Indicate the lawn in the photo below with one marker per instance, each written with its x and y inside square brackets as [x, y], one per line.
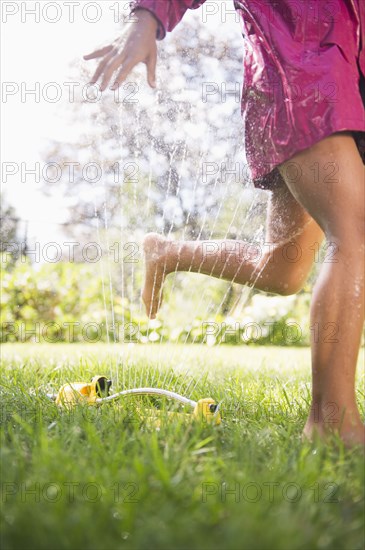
[104, 478]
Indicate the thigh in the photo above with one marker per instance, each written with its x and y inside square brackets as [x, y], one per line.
[328, 181]
[289, 221]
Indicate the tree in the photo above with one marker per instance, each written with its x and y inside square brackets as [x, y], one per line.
[168, 151]
[11, 246]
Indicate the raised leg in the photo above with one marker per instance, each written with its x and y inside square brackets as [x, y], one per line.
[280, 266]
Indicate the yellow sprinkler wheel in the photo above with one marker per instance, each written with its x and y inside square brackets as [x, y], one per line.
[206, 410]
[81, 392]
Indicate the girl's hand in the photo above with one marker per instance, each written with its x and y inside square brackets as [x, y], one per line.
[136, 45]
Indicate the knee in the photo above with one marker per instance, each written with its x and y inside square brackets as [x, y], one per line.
[286, 274]
[346, 234]
[290, 281]
[290, 287]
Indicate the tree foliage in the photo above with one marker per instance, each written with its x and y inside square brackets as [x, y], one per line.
[165, 158]
[71, 302]
[10, 241]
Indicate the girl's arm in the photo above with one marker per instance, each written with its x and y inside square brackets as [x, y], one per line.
[151, 20]
[167, 12]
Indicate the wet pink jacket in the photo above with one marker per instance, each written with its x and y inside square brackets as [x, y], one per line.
[303, 72]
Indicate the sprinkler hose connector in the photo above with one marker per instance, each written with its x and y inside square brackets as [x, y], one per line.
[96, 393]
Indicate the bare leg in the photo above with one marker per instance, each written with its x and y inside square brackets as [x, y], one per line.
[337, 203]
[281, 266]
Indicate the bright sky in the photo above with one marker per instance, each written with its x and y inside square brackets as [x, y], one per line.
[35, 53]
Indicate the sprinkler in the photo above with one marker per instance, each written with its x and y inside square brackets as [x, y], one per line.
[96, 393]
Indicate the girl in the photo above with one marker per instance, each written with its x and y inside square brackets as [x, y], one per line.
[304, 66]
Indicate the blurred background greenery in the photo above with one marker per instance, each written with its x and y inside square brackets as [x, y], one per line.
[170, 161]
[70, 302]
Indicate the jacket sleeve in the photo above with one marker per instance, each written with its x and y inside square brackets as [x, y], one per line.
[167, 12]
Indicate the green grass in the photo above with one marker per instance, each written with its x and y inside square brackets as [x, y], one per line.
[104, 478]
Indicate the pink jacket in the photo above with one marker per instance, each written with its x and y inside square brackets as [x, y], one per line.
[303, 66]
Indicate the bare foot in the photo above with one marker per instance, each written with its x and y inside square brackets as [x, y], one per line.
[350, 428]
[155, 248]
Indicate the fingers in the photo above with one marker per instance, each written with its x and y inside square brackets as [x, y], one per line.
[102, 66]
[123, 73]
[98, 53]
[128, 66]
[112, 66]
[151, 69]
[112, 60]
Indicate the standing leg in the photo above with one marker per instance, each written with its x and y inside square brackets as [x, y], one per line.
[330, 185]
